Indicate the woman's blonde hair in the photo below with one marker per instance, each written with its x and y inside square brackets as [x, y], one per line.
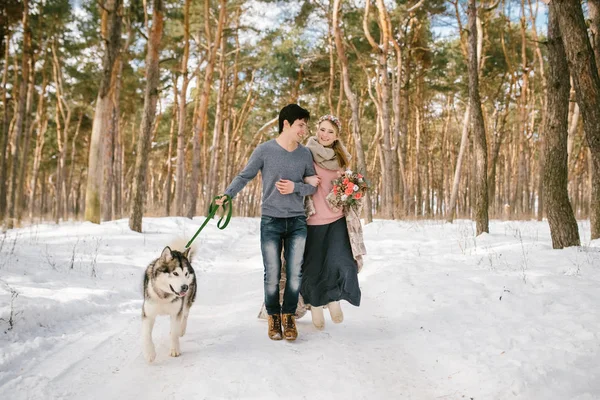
[337, 145]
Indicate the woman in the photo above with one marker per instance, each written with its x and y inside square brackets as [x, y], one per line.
[331, 261]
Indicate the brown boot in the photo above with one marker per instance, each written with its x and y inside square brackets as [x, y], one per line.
[289, 327]
[275, 327]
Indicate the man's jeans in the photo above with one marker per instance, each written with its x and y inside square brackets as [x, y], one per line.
[291, 233]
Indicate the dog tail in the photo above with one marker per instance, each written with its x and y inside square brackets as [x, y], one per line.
[178, 243]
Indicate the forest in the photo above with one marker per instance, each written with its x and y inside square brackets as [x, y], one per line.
[452, 109]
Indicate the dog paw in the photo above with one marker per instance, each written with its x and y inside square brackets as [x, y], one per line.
[175, 353]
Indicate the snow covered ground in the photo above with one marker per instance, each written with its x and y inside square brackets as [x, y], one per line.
[443, 316]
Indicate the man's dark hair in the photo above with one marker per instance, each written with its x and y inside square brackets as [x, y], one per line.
[291, 113]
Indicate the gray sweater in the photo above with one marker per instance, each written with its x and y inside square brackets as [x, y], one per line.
[276, 163]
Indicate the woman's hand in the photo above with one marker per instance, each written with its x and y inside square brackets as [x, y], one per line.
[314, 180]
[285, 186]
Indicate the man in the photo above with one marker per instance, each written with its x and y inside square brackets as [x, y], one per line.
[284, 164]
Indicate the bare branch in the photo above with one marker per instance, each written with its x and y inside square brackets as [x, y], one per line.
[417, 6]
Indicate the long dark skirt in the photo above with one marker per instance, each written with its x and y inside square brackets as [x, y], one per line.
[329, 272]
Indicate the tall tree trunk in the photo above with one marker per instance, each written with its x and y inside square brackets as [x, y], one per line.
[382, 50]
[168, 179]
[63, 112]
[108, 162]
[180, 166]
[330, 50]
[111, 33]
[41, 124]
[464, 141]
[27, 131]
[5, 131]
[360, 154]
[563, 226]
[150, 98]
[11, 207]
[213, 172]
[584, 70]
[116, 186]
[69, 184]
[479, 139]
[417, 170]
[229, 116]
[385, 107]
[204, 99]
[399, 189]
[594, 11]
[541, 158]
[119, 199]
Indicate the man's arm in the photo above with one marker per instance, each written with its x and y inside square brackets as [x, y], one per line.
[305, 189]
[254, 165]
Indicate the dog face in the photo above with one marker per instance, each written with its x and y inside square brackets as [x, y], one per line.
[173, 272]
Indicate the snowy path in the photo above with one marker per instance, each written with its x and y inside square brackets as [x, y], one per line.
[226, 352]
[432, 324]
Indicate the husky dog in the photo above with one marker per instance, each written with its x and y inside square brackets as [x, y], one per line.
[169, 289]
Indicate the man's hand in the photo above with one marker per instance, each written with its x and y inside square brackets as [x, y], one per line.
[220, 200]
[285, 186]
[314, 180]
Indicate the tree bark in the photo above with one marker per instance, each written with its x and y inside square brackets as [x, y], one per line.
[41, 124]
[111, 33]
[464, 141]
[5, 131]
[360, 154]
[69, 185]
[204, 100]
[563, 226]
[479, 138]
[168, 179]
[63, 112]
[594, 11]
[110, 139]
[180, 166]
[150, 99]
[388, 174]
[27, 131]
[584, 70]
[215, 148]
[11, 207]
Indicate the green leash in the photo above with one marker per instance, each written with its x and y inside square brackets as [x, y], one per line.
[212, 210]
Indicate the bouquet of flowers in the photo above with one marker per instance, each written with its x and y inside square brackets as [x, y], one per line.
[348, 190]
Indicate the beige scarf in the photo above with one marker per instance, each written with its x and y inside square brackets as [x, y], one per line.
[325, 156]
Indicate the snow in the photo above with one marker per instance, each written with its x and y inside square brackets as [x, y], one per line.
[444, 315]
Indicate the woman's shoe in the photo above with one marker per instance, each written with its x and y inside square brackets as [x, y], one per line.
[318, 319]
[335, 309]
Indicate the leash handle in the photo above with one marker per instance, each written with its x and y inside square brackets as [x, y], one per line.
[212, 210]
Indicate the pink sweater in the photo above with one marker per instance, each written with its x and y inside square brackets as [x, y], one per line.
[324, 215]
